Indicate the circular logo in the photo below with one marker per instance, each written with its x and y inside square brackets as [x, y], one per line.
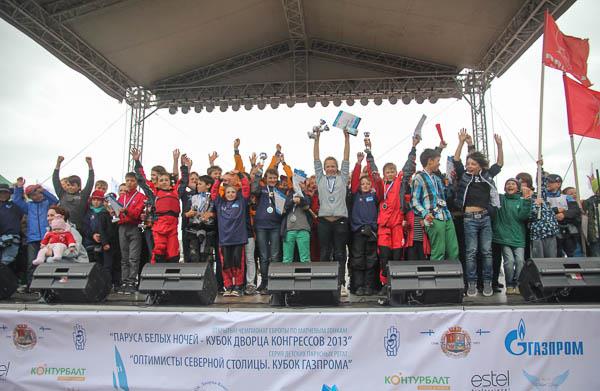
[456, 342]
[24, 337]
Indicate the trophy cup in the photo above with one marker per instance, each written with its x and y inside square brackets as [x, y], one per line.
[115, 205]
[367, 142]
[322, 127]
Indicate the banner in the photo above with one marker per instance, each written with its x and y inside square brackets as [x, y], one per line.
[476, 350]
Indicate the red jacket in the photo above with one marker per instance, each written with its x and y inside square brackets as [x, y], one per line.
[134, 202]
[390, 207]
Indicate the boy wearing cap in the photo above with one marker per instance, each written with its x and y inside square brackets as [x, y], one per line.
[100, 238]
[10, 226]
[568, 216]
[591, 208]
[509, 230]
[36, 211]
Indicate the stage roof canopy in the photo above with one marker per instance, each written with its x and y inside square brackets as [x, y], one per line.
[190, 51]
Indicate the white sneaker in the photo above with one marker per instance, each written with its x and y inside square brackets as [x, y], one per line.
[343, 291]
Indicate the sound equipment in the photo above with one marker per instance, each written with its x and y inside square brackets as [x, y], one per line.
[425, 282]
[179, 283]
[304, 284]
[8, 282]
[560, 279]
[71, 282]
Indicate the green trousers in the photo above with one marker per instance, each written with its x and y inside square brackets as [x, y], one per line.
[293, 238]
[442, 238]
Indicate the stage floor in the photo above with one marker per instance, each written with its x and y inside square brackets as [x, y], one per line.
[253, 303]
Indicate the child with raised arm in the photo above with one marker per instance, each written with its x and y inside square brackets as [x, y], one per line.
[165, 198]
[363, 224]
[333, 212]
[391, 191]
[73, 199]
[232, 211]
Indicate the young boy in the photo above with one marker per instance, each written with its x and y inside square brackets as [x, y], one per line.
[165, 198]
[73, 199]
[568, 216]
[363, 224]
[101, 185]
[200, 220]
[130, 236]
[391, 193]
[543, 225]
[510, 230]
[36, 211]
[232, 211]
[10, 226]
[101, 237]
[295, 226]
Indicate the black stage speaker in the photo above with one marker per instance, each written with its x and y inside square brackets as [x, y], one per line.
[425, 282]
[8, 282]
[179, 283]
[71, 282]
[561, 279]
[310, 283]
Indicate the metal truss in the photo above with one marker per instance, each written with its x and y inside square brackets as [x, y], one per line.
[38, 24]
[66, 10]
[525, 27]
[474, 87]
[227, 67]
[294, 15]
[379, 61]
[429, 86]
[138, 99]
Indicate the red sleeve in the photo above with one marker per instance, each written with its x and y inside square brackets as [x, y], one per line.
[46, 239]
[355, 181]
[70, 239]
[148, 182]
[134, 211]
[245, 187]
[377, 182]
[214, 190]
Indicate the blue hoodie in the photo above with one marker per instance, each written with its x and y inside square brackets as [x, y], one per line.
[37, 222]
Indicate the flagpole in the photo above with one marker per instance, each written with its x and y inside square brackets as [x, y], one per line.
[581, 234]
[541, 119]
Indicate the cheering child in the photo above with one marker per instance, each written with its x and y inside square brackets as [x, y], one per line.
[232, 211]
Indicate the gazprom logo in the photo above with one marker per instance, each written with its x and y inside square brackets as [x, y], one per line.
[516, 344]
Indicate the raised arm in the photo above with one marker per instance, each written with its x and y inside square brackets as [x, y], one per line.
[316, 154]
[245, 186]
[214, 190]
[185, 175]
[17, 196]
[410, 166]
[89, 185]
[176, 155]
[498, 140]
[56, 177]
[355, 181]
[462, 137]
[346, 145]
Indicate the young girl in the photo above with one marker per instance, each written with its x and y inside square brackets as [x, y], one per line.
[232, 211]
[55, 242]
[295, 226]
[363, 224]
[333, 213]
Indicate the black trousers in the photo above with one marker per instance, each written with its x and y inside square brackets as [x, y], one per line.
[105, 259]
[386, 254]
[199, 247]
[32, 249]
[415, 252]
[566, 244]
[333, 236]
[363, 260]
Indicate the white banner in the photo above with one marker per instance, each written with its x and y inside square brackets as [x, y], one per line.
[476, 350]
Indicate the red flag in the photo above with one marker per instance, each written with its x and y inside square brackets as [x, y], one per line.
[565, 53]
[583, 109]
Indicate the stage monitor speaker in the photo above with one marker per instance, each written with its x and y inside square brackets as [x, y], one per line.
[71, 282]
[179, 283]
[304, 284]
[561, 279]
[425, 282]
[8, 282]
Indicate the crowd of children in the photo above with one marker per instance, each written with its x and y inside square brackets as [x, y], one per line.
[243, 221]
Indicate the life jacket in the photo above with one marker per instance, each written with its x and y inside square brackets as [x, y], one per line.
[390, 207]
[167, 203]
